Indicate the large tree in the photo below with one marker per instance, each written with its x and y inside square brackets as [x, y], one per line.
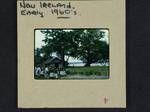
[58, 41]
[84, 44]
[91, 47]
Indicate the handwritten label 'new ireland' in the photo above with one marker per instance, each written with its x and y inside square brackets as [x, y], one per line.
[58, 9]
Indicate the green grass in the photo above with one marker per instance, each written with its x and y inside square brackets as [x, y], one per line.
[93, 70]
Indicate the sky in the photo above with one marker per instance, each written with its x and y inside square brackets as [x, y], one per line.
[39, 43]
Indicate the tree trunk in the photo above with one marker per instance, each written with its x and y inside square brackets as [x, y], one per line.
[87, 64]
[63, 57]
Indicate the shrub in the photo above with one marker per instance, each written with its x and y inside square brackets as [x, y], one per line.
[91, 72]
[81, 73]
[87, 73]
[73, 72]
[68, 72]
[98, 73]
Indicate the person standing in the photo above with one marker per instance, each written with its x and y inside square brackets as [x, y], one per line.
[38, 71]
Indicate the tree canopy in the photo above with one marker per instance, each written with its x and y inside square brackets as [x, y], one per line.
[84, 44]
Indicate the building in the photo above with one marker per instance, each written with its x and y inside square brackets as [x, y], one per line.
[54, 62]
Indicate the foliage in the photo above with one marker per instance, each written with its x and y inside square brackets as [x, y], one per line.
[37, 57]
[58, 41]
[84, 44]
[91, 47]
[93, 70]
[86, 72]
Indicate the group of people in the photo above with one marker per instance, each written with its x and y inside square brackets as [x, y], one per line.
[49, 71]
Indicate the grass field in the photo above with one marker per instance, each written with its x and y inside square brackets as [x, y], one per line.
[93, 72]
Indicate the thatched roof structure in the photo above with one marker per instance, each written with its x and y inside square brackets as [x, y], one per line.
[53, 60]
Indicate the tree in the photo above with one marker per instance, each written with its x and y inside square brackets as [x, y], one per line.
[84, 44]
[90, 46]
[104, 50]
[58, 41]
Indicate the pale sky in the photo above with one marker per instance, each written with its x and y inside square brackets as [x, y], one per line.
[38, 39]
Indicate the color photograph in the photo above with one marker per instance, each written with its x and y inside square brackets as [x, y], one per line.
[71, 54]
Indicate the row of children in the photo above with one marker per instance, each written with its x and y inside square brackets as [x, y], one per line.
[49, 72]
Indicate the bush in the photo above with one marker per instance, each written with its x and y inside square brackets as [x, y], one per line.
[81, 73]
[73, 72]
[98, 73]
[68, 72]
[91, 72]
[88, 70]
[88, 73]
